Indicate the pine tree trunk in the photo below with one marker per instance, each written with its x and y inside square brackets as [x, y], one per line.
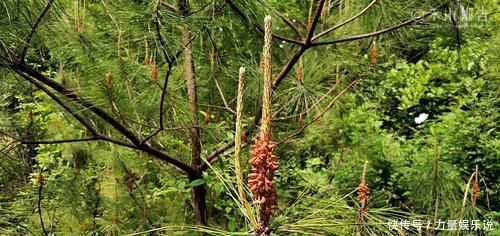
[198, 193]
[198, 198]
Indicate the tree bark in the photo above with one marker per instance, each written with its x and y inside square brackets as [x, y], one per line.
[198, 199]
[198, 193]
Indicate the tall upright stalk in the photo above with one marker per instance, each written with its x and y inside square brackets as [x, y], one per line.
[264, 163]
[245, 205]
[363, 195]
[198, 193]
[237, 137]
[266, 64]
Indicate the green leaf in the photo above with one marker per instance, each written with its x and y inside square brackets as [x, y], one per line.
[197, 182]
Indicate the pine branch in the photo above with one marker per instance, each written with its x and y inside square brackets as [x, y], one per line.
[307, 44]
[59, 101]
[317, 117]
[33, 30]
[226, 105]
[28, 72]
[284, 72]
[242, 16]
[22, 68]
[76, 140]
[325, 95]
[98, 137]
[346, 21]
[170, 63]
[287, 21]
[372, 34]
[317, 14]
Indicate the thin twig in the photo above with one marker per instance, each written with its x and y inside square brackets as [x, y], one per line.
[170, 63]
[222, 96]
[280, 37]
[76, 140]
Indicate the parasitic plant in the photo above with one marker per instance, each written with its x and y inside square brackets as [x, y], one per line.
[363, 193]
[264, 163]
[238, 136]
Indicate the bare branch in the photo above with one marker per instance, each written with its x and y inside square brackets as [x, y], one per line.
[76, 140]
[33, 30]
[222, 96]
[346, 21]
[280, 37]
[288, 67]
[219, 150]
[372, 34]
[154, 133]
[317, 14]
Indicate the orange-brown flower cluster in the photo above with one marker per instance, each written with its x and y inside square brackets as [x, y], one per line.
[475, 191]
[154, 73]
[363, 192]
[260, 180]
[108, 81]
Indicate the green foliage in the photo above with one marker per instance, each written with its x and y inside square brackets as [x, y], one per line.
[106, 51]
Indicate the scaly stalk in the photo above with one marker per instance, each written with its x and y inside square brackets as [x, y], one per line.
[237, 137]
[264, 163]
[266, 64]
[245, 206]
[363, 195]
